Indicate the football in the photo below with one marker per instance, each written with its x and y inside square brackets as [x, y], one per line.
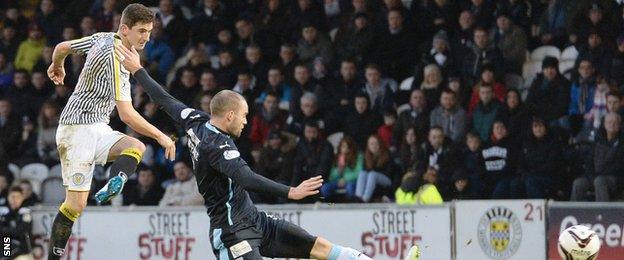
[578, 243]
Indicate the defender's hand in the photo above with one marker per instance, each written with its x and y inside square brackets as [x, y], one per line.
[129, 58]
[306, 188]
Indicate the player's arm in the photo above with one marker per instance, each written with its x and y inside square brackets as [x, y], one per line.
[56, 71]
[134, 120]
[228, 161]
[130, 59]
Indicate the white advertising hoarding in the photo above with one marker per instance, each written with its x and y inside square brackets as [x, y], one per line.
[383, 232]
[503, 229]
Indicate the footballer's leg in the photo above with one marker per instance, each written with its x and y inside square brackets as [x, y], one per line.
[70, 210]
[76, 145]
[126, 153]
[287, 240]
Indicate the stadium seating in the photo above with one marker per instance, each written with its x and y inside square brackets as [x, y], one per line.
[334, 140]
[542, 52]
[15, 170]
[36, 173]
[569, 54]
[52, 191]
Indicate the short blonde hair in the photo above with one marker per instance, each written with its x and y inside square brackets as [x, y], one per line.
[225, 101]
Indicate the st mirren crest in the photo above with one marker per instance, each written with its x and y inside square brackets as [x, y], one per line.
[78, 178]
[500, 233]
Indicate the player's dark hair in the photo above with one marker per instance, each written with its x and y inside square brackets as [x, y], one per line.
[136, 13]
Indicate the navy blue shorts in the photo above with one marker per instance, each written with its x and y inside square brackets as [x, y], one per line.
[267, 236]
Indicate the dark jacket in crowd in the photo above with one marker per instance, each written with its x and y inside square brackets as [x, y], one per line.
[607, 156]
[17, 224]
[549, 99]
[408, 119]
[151, 197]
[312, 159]
[540, 157]
[361, 126]
[499, 159]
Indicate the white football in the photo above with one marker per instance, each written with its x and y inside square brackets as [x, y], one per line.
[578, 243]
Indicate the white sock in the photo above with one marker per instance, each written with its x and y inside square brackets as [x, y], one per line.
[346, 253]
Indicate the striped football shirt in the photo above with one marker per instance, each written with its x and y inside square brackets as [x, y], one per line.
[102, 81]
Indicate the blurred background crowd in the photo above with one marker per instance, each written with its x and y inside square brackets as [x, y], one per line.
[413, 102]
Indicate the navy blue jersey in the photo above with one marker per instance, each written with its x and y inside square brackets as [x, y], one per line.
[222, 175]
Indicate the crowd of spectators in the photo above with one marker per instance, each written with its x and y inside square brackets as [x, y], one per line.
[420, 94]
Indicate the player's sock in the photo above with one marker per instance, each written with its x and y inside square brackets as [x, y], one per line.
[61, 230]
[126, 162]
[346, 253]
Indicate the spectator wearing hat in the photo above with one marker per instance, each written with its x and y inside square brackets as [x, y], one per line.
[605, 166]
[355, 41]
[617, 64]
[549, 94]
[269, 117]
[487, 77]
[461, 187]
[540, 161]
[440, 54]
[511, 40]
[395, 47]
[597, 52]
[314, 44]
[480, 52]
[29, 50]
[499, 164]
[485, 112]
[450, 116]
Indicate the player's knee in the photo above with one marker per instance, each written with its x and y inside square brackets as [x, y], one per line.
[140, 146]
